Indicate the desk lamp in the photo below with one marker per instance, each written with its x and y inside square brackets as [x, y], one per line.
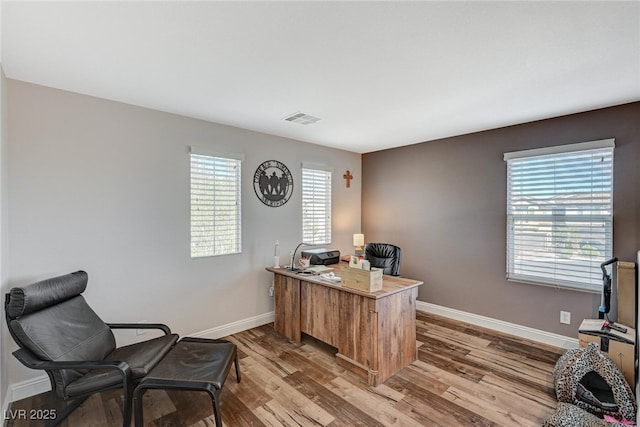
[292, 267]
[358, 242]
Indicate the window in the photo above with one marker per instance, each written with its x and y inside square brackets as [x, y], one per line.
[316, 206]
[215, 205]
[560, 214]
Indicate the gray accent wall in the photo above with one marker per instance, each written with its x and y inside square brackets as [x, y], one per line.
[444, 203]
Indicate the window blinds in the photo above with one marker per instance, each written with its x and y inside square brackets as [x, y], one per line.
[215, 205]
[560, 214]
[316, 206]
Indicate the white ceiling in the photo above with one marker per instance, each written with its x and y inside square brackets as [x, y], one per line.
[378, 74]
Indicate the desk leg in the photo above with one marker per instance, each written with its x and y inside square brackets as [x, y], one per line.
[287, 307]
[365, 372]
[376, 342]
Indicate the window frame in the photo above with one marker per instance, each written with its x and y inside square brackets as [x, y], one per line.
[226, 172]
[317, 173]
[561, 202]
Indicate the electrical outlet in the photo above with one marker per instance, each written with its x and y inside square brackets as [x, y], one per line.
[271, 290]
[565, 317]
[141, 331]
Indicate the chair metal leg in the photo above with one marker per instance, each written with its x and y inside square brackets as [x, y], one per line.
[216, 409]
[128, 401]
[137, 407]
[237, 368]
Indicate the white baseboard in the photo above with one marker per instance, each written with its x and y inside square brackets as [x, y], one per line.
[7, 402]
[500, 325]
[41, 384]
[235, 327]
[28, 388]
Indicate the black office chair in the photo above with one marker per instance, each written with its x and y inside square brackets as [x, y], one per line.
[385, 256]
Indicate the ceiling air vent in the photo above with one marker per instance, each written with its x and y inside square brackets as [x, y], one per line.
[302, 118]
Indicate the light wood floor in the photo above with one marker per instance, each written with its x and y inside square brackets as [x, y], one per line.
[464, 375]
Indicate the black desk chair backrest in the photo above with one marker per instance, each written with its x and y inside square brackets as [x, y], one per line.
[385, 256]
[59, 333]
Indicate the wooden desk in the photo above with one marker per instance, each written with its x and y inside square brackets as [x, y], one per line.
[374, 332]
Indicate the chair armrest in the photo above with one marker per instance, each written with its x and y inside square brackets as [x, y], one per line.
[161, 326]
[28, 359]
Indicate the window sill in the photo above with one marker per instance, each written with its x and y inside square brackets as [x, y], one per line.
[590, 290]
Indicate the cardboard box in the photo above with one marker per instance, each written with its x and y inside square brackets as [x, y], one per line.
[364, 280]
[624, 276]
[620, 347]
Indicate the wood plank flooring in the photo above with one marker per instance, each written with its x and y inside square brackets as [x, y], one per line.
[465, 375]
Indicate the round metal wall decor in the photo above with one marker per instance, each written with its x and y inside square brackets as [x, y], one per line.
[273, 183]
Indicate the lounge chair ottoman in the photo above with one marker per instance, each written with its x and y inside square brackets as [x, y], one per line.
[192, 364]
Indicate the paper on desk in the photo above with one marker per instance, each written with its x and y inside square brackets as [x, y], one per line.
[330, 277]
[319, 269]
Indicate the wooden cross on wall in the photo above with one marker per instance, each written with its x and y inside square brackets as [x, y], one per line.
[348, 177]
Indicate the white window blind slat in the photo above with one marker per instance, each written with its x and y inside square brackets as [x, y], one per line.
[560, 215]
[316, 206]
[215, 205]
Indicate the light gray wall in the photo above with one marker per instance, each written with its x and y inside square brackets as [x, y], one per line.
[4, 267]
[444, 203]
[3, 222]
[103, 186]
